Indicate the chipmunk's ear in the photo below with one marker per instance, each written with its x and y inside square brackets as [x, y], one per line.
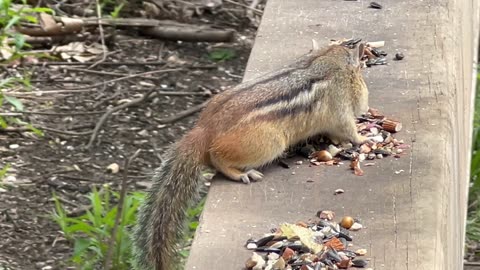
[361, 51]
[315, 45]
[357, 54]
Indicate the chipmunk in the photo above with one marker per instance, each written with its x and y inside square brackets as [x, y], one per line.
[246, 127]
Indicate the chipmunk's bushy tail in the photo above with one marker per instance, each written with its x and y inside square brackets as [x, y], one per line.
[162, 216]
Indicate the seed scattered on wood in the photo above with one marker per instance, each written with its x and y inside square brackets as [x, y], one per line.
[375, 5]
[361, 252]
[399, 56]
[391, 126]
[323, 155]
[347, 222]
[356, 226]
[311, 245]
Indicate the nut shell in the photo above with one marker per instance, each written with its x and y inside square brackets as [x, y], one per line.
[347, 222]
[323, 155]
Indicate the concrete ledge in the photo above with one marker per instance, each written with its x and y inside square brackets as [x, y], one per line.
[415, 219]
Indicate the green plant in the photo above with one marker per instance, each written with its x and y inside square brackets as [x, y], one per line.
[114, 7]
[193, 215]
[16, 103]
[91, 231]
[221, 54]
[12, 15]
[3, 172]
[473, 220]
[5, 99]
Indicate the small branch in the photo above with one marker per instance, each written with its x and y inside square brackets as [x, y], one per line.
[183, 114]
[51, 113]
[126, 78]
[102, 36]
[78, 178]
[58, 81]
[245, 6]
[118, 216]
[177, 31]
[64, 132]
[160, 93]
[155, 151]
[254, 4]
[97, 72]
[104, 117]
[152, 63]
[79, 211]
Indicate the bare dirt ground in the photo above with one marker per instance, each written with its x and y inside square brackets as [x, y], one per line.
[59, 162]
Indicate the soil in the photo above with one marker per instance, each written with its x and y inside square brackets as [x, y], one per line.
[59, 163]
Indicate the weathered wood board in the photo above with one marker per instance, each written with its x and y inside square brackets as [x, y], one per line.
[413, 207]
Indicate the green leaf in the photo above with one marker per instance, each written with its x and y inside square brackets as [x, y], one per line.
[81, 245]
[35, 130]
[12, 22]
[97, 209]
[4, 170]
[3, 123]
[221, 54]
[15, 102]
[116, 12]
[42, 10]
[193, 225]
[31, 19]
[19, 41]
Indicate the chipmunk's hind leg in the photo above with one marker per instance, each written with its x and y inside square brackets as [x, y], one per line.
[235, 174]
[235, 153]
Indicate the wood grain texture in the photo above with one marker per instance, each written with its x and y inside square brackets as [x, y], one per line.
[415, 217]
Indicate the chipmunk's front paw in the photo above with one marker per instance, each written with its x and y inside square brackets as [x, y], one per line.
[254, 175]
[360, 140]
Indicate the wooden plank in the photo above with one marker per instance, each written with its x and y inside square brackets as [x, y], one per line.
[415, 219]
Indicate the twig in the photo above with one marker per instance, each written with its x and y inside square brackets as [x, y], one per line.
[65, 201]
[58, 81]
[51, 113]
[118, 216]
[104, 117]
[79, 211]
[160, 93]
[97, 72]
[107, 73]
[152, 63]
[72, 177]
[86, 88]
[254, 3]
[102, 36]
[182, 114]
[126, 78]
[155, 151]
[245, 6]
[64, 132]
